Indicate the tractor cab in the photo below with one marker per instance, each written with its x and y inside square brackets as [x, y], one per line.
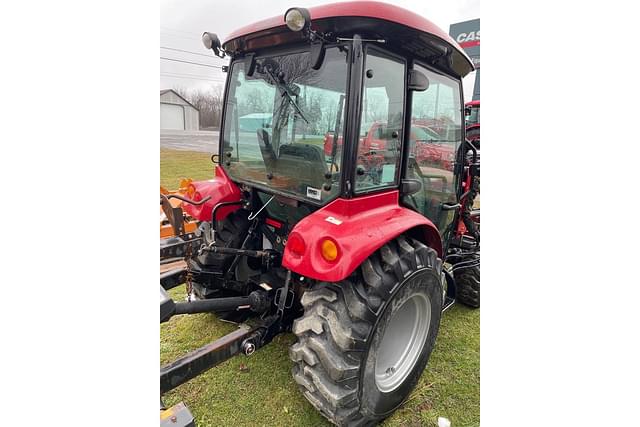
[390, 89]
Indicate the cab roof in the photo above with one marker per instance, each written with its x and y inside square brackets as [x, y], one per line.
[401, 28]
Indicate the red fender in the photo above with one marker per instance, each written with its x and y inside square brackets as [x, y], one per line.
[359, 227]
[221, 189]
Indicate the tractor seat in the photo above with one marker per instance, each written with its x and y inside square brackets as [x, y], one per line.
[306, 160]
[310, 153]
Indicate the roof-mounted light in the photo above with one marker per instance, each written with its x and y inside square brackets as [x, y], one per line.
[297, 18]
[211, 41]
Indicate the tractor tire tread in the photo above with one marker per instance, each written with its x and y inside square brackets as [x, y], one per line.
[332, 335]
[468, 286]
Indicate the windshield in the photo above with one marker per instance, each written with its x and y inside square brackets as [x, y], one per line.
[276, 121]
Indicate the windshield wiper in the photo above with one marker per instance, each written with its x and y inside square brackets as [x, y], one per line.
[285, 92]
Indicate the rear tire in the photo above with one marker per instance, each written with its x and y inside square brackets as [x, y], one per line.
[468, 282]
[230, 233]
[345, 364]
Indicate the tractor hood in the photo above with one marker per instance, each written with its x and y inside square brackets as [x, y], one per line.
[400, 28]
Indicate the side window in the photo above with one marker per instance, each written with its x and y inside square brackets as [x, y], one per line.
[436, 120]
[379, 143]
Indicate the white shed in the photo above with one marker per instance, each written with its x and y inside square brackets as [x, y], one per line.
[177, 113]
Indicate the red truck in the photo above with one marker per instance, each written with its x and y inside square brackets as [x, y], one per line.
[426, 146]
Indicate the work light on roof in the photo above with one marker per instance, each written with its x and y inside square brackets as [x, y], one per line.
[297, 18]
[208, 39]
[211, 41]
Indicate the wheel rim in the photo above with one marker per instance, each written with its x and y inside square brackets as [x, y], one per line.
[402, 342]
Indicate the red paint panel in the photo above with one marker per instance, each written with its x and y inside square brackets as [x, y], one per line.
[359, 226]
[365, 9]
[221, 189]
[470, 43]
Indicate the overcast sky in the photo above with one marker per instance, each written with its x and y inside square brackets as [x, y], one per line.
[183, 21]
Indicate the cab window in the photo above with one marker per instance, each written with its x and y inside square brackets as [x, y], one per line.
[379, 142]
[436, 134]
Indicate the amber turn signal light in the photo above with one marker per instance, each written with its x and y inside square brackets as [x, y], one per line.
[329, 250]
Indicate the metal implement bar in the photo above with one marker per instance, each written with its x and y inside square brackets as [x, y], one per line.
[187, 200]
[210, 305]
[172, 278]
[257, 301]
[176, 247]
[202, 359]
[233, 251]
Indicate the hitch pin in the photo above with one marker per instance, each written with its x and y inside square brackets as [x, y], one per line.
[253, 216]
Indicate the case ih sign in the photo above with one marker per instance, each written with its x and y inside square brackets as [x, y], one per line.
[467, 34]
[468, 40]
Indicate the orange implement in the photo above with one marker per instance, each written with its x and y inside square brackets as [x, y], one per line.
[190, 224]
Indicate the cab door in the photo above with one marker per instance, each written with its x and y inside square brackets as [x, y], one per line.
[381, 122]
[435, 135]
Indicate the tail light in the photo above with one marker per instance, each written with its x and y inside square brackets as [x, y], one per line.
[296, 244]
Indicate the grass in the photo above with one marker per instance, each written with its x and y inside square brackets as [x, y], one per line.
[177, 164]
[259, 390]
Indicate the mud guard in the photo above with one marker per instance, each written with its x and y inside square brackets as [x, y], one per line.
[221, 189]
[359, 227]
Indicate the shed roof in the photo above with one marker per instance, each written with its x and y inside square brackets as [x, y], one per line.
[163, 91]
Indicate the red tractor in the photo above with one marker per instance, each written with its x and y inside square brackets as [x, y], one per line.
[357, 258]
[428, 148]
[472, 120]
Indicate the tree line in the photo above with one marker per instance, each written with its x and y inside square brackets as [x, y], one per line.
[318, 108]
[208, 103]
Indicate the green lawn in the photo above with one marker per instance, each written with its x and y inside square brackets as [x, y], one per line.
[177, 164]
[263, 393]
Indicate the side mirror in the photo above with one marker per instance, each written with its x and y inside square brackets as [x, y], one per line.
[418, 81]
[410, 186]
[467, 111]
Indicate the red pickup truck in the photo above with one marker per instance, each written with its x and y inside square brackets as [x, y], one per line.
[425, 143]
